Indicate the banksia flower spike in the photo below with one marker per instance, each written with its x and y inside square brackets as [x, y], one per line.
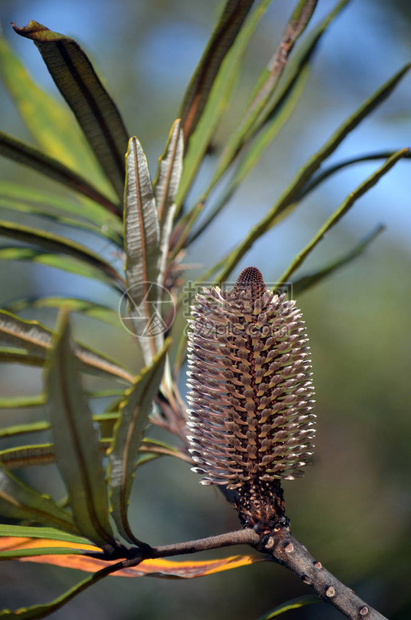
[250, 395]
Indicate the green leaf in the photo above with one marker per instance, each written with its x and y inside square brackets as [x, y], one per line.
[37, 339]
[36, 160]
[307, 282]
[217, 102]
[298, 60]
[295, 603]
[18, 501]
[264, 138]
[142, 237]
[327, 172]
[76, 442]
[50, 123]
[36, 454]
[93, 107]
[86, 308]
[341, 211]
[27, 553]
[170, 165]
[10, 208]
[37, 427]
[37, 201]
[44, 454]
[63, 262]
[128, 435]
[289, 196]
[24, 531]
[60, 245]
[23, 429]
[295, 27]
[22, 402]
[27, 456]
[297, 65]
[19, 356]
[222, 38]
[166, 184]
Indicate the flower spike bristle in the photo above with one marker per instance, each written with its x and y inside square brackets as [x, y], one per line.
[250, 393]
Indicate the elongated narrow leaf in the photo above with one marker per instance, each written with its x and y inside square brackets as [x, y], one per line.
[166, 184]
[18, 534]
[50, 122]
[307, 282]
[22, 429]
[217, 102]
[266, 136]
[297, 64]
[60, 245]
[188, 569]
[22, 402]
[327, 172]
[9, 206]
[93, 107]
[341, 211]
[170, 165]
[295, 603]
[8, 209]
[27, 549]
[299, 59]
[37, 339]
[154, 568]
[224, 34]
[76, 442]
[86, 308]
[17, 501]
[9, 355]
[142, 238]
[38, 427]
[295, 27]
[36, 160]
[128, 435]
[36, 455]
[55, 261]
[288, 197]
[53, 549]
[41, 201]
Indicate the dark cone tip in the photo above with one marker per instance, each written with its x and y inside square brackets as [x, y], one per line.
[250, 278]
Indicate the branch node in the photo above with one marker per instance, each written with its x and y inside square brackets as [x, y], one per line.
[364, 611]
[289, 547]
[318, 565]
[330, 592]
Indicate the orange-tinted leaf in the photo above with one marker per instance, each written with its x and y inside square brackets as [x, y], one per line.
[155, 568]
